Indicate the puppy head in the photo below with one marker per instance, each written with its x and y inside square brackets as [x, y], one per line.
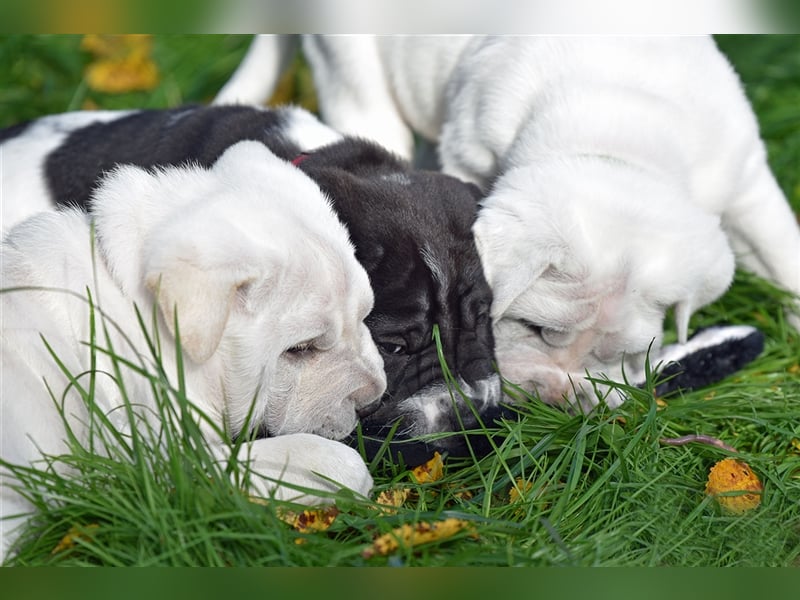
[585, 256]
[261, 276]
[412, 233]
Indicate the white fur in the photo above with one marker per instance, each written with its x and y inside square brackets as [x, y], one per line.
[23, 190]
[258, 267]
[623, 175]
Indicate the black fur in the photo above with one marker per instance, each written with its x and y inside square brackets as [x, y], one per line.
[152, 138]
[709, 364]
[391, 212]
[13, 131]
[390, 222]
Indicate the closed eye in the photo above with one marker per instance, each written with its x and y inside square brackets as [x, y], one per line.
[302, 348]
[533, 327]
[558, 338]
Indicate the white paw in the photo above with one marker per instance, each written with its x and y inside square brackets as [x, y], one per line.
[307, 461]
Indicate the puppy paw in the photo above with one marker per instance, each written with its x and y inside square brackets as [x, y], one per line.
[294, 467]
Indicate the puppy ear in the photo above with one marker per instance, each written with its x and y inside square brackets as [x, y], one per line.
[507, 274]
[201, 297]
[198, 277]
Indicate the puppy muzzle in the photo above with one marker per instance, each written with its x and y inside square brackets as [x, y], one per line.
[459, 420]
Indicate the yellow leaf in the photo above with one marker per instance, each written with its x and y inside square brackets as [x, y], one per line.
[732, 475]
[462, 494]
[414, 535]
[122, 63]
[517, 492]
[75, 532]
[430, 471]
[310, 520]
[392, 499]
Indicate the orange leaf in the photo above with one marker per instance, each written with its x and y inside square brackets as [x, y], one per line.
[732, 475]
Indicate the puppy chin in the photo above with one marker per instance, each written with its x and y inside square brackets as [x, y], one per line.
[438, 409]
[438, 416]
[321, 424]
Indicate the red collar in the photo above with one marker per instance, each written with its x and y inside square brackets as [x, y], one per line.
[300, 158]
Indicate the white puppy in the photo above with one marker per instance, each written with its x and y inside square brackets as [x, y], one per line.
[623, 176]
[251, 260]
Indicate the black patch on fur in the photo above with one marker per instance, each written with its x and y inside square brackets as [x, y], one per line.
[150, 138]
[709, 365]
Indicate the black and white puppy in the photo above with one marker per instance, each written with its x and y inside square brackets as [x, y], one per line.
[411, 230]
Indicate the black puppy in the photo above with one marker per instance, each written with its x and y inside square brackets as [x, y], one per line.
[411, 230]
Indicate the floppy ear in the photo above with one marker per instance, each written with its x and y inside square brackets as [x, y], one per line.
[507, 274]
[201, 297]
[196, 271]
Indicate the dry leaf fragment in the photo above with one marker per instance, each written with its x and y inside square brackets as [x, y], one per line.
[517, 492]
[313, 519]
[414, 535]
[392, 499]
[430, 471]
[731, 475]
[76, 532]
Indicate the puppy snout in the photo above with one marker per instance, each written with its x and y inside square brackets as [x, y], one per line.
[366, 410]
[367, 397]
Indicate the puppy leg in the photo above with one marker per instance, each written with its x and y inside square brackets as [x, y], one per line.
[304, 460]
[765, 235]
[257, 76]
[354, 92]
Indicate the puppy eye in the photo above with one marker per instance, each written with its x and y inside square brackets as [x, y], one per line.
[482, 316]
[300, 348]
[533, 327]
[556, 337]
[390, 348]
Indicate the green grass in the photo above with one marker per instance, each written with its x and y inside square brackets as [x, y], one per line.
[603, 489]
